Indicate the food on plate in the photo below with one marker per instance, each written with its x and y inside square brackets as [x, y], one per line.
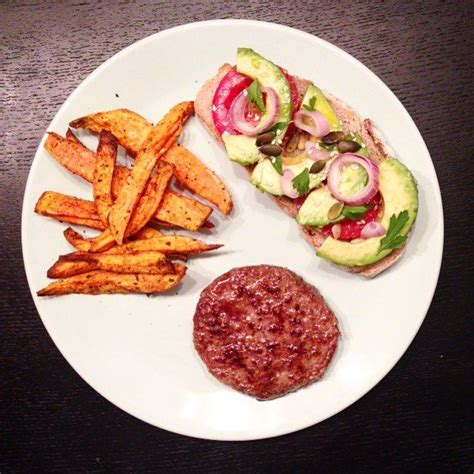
[264, 331]
[99, 282]
[325, 166]
[150, 262]
[175, 209]
[167, 244]
[103, 175]
[129, 255]
[69, 209]
[131, 130]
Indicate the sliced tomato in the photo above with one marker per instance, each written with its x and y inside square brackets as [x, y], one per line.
[295, 99]
[231, 85]
[351, 229]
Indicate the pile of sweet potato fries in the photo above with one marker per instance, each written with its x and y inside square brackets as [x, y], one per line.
[130, 255]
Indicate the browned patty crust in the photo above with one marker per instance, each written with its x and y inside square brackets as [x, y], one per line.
[264, 331]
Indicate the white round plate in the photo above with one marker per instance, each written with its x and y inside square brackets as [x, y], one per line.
[137, 351]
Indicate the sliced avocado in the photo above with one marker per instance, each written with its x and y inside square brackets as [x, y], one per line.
[240, 148]
[399, 191]
[314, 211]
[268, 74]
[322, 105]
[266, 178]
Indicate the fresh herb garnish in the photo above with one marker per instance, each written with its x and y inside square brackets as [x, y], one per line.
[254, 96]
[312, 102]
[278, 126]
[393, 239]
[278, 165]
[355, 212]
[301, 182]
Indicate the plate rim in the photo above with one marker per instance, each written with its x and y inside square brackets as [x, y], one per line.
[234, 22]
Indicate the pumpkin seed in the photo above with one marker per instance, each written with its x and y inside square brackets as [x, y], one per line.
[348, 146]
[271, 150]
[265, 138]
[335, 211]
[317, 166]
[333, 137]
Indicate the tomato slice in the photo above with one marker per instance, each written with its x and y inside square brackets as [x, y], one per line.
[351, 229]
[231, 85]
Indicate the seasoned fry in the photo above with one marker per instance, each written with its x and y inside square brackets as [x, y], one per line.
[194, 175]
[99, 243]
[103, 174]
[147, 204]
[150, 262]
[151, 198]
[175, 209]
[130, 128]
[182, 211]
[168, 244]
[146, 233]
[99, 282]
[158, 141]
[68, 209]
[72, 154]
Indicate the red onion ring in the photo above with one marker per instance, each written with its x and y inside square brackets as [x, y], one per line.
[286, 182]
[335, 174]
[321, 125]
[238, 108]
[314, 153]
[372, 229]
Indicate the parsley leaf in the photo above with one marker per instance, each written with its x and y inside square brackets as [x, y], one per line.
[393, 239]
[354, 212]
[278, 126]
[312, 102]
[278, 165]
[301, 182]
[254, 96]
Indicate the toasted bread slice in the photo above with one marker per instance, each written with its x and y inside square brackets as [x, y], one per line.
[350, 122]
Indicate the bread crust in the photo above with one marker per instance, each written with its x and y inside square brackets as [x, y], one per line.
[350, 122]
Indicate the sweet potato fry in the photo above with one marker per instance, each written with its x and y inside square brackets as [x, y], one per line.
[99, 282]
[158, 141]
[150, 200]
[72, 154]
[194, 175]
[103, 174]
[182, 211]
[147, 205]
[130, 128]
[149, 262]
[168, 245]
[68, 209]
[146, 233]
[175, 209]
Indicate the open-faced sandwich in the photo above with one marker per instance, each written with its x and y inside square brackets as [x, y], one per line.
[325, 166]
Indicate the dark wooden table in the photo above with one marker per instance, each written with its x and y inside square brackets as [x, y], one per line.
[420, 417]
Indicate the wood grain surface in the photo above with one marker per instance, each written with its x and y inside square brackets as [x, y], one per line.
[419, 418]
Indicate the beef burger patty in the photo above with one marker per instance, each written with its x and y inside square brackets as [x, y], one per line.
[264, 331]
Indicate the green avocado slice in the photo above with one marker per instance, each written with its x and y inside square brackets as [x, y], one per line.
[400, 193]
